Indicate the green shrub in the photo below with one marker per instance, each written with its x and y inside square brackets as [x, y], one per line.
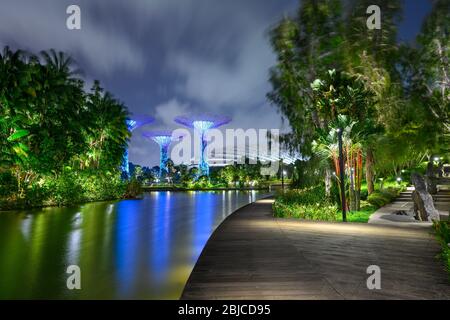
[304, 196]
[442, 229]
[319, 211]
[202, 183]
[36, 195]
[383, 197]
[102, 186]
[65, 189]
[133, 189]
[310, 204]
[363, 214]
[378, 199]
[364, 194]
[73, 187]
[8, 184]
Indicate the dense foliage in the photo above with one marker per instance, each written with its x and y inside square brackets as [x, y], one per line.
[308, 204]
[442, 229]
[381, 198]
[390, 101]
[59, 144]
[312, 204]
[231, 176]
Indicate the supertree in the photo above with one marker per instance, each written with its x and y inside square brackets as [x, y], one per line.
[163, 139]
[133, 123]
[202, 123]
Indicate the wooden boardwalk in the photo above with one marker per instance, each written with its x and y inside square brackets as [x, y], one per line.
[255, 256]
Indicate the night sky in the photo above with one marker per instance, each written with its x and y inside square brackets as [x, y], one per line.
[170, 57]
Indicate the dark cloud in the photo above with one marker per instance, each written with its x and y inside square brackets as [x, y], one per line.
[162, 57]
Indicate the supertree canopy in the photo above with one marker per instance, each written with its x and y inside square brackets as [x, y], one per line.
[202, 123]
[133, 123]
[163, 139]
[139, 120]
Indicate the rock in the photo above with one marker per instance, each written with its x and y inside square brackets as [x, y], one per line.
[431, 184]
[424, 209]
[446, 171]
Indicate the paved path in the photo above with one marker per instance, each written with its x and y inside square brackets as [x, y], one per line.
[387, 215]
[255, 256]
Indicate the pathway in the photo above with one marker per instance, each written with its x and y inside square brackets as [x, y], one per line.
[388, 215]
[253, 255]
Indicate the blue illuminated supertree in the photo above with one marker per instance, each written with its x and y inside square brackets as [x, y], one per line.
[133, 123]
[202, 123]
[163, 139]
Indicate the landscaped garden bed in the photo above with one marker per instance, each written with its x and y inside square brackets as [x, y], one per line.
[312, 204]
[442, 229]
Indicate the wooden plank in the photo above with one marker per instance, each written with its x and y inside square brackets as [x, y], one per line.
[255, 256]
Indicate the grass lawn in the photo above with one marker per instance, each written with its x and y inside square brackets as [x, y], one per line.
[361, 215]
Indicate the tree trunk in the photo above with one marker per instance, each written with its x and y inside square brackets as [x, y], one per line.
[369, 171]
[328, 182]
[352, 193]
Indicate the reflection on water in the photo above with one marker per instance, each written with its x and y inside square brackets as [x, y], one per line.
[130, 249]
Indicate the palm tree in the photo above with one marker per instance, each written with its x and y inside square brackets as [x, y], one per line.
[61, 63]
[327, 149]
[107, 133]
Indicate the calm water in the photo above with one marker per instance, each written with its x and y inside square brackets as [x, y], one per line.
[131, 249]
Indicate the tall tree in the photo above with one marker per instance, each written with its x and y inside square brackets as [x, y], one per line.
[107, 133]
[425, 120]
[434, 62]
[372, 55]
[306, 47]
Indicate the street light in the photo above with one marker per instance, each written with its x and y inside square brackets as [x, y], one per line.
[342, 177]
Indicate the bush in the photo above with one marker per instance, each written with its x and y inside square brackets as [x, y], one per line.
[383, 197]
[8, 184]
[442, 229]
[202, 183]
[36, 195]
[304, 196]
[319, 211]
[310, 204]
[65, 189]
[133, 189]
[364, 194]
[102, 186]
[71, 187]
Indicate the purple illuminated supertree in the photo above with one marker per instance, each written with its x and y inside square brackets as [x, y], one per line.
[139, 120]
[202, 123]
[133, 123]
[163, 139]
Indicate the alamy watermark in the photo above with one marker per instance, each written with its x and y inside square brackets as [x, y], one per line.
[374, 280]
[374, 20]
[73, 22]
[74, 279]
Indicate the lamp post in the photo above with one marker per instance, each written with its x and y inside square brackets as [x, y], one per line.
[282, 175]
[342, 176]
